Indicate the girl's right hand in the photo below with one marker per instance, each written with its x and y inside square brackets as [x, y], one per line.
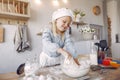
[68, 55]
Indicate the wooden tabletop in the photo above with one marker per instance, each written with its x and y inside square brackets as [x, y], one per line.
[9, 76]
[104, 74]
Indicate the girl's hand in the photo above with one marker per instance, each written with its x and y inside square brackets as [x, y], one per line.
[67, 55]
[76, 61]
[64, 53]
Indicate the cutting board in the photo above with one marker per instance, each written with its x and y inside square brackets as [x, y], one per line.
[1, 34]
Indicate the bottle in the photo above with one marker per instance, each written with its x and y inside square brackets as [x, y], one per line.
[93, 55]
[95, 37]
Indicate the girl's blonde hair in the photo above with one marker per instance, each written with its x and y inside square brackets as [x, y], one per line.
[54, 30]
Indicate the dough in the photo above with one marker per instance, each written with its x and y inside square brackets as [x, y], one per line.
[70, 68]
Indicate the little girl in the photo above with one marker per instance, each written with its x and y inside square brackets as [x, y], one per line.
[56, 40]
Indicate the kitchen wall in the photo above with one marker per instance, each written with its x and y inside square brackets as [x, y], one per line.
[113, 13]
[119, 13]
[40, 17]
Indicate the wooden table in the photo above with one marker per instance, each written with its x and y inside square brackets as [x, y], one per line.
[104, 74]
[108, 74]
[9, 76]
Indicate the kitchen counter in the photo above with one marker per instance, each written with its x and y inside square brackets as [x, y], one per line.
[9, 76]
[104, 74]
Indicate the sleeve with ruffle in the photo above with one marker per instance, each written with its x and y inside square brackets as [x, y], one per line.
[48, 45]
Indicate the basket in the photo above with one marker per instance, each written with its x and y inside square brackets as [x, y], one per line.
[87, 36]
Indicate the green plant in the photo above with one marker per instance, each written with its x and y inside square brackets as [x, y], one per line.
[80, 12]
[87, 29]
[76, 11]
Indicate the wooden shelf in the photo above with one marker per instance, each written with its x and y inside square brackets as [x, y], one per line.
[15, 9]
[14, 16]
[79, 23]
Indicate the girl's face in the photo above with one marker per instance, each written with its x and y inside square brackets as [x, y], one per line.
[63, 23]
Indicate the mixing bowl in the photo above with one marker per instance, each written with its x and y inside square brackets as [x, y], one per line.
[76, 72]
[73, 70]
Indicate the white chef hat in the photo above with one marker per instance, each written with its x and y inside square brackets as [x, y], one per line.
[61, 13]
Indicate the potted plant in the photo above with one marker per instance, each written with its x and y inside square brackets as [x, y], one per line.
[82, 14]
[78, 14]
[87, 32]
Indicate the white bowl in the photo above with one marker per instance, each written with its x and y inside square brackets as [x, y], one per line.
[73, 70]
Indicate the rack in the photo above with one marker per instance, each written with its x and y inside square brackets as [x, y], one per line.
[11, 10]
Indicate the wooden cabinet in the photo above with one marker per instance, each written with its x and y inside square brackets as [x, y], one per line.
[15, 9]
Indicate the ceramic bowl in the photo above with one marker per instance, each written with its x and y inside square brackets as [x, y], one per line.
[75, 73]
[75, 70]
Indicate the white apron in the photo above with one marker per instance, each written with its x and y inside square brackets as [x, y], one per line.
[45, 60]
